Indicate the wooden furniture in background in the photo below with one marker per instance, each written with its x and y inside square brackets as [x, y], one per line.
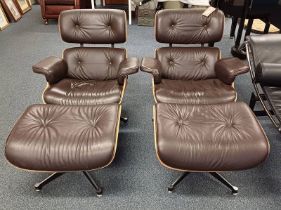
[23, 6]
[11, 10]
[3, 19]
[112, 2]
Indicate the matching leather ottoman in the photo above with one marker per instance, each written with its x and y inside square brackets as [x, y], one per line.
[208, 138]
[55, 138]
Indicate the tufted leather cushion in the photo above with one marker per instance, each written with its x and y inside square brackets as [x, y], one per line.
[64, 138]
[210, 91]
[93, 63]
[222, 137]
[79, 92]
[187, 63]
[102, 26]
[59, 2]
[188, 26]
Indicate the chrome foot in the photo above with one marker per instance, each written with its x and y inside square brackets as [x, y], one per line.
[124, 119]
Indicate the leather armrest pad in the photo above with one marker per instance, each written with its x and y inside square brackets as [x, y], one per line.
[228, 68]
[152, 66]
[269, 74]
[127, 67]
[52, 67]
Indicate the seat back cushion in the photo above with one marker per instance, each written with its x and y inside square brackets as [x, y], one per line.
[188, 26]
[93, 63]
[265, 48]
[188, 63]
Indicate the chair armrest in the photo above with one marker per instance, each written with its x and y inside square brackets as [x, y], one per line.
[269, 74]
[228, 68]
[52, 67]
[152, 66]
[127, 67]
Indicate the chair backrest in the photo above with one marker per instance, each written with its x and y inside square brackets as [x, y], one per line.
[188, 63]
[188, 26]
[93, 27]
[264, 49]
[93, 63]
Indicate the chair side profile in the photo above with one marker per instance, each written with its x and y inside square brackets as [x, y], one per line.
[264, 57]
[187, 74]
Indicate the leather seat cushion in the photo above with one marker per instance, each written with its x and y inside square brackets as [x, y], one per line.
[221, 137]
[64, 138]
[79, 92]
[59, 2]
[210, 91]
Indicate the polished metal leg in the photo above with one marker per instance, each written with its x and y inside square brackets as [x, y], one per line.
[219, 177]
[124, 119]
[95, 185]
[178, 180]
[38, 186]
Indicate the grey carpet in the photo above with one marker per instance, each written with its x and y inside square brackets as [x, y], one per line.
[135, 180]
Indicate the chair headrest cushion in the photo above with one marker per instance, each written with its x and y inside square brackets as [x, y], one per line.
[188, 26]
[93, 26]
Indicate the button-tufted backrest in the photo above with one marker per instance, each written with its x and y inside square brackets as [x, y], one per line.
[93, 26]
[97, 63]
[188, 63]
[188, 26]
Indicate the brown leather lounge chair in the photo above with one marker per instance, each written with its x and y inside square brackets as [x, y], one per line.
[198, 126]
[89, 75]
[191, 75]
[264, 57]
[51, 9]
[77, 130]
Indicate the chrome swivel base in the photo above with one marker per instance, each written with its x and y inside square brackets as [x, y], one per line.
[219, 177]
[124, 119]
[38, 186]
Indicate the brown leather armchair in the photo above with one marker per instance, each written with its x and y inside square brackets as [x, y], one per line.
[51, 9]
[191, 75]
[198, 126]
[89, 75]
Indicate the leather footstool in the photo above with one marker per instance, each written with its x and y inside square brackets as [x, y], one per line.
[55, 138]
[208, 138]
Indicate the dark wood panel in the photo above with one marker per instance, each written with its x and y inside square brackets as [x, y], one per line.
[116, 1]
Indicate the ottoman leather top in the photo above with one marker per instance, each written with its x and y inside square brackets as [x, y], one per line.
[221, 137]
[64, 138]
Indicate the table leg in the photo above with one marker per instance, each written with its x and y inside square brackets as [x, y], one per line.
[130, 11]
